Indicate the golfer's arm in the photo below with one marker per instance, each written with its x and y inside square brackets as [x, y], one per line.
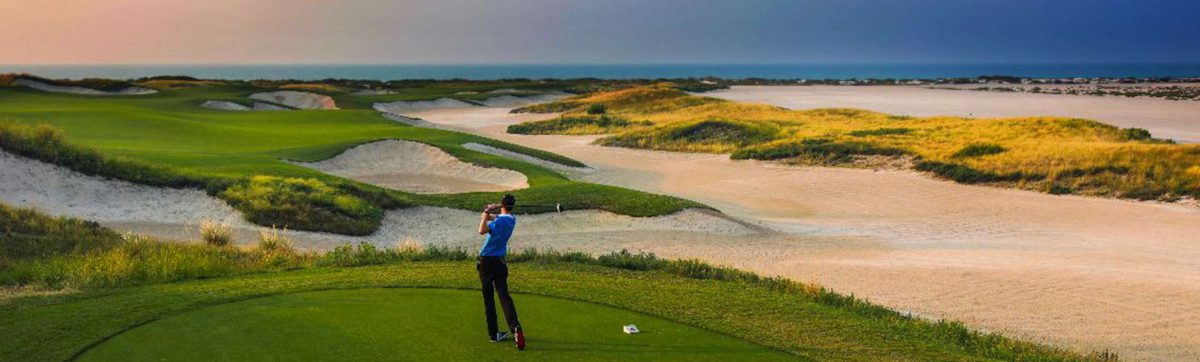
[483, 223]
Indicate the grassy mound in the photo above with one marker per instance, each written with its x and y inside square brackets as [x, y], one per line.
[1052, 154]
[379, 324]
[167, 140]
[107, 85]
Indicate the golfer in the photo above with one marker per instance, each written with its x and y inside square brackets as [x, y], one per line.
[493, 272]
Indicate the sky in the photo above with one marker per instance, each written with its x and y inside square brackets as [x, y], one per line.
[597, 32]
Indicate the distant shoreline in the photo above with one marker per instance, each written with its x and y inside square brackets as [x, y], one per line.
[759, 72]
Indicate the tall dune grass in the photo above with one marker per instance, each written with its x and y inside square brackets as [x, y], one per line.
[1051, 154]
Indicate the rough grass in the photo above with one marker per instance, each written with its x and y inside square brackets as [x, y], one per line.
[303, 204]
[805, 320]
[314, 87]
[1051, 154]
[101, 84]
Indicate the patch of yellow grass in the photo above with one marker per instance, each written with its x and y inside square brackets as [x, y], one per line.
[215, 234]
[1055, 154]
[314, 87]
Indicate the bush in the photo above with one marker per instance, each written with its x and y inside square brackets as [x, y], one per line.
[273, 239]
[215, 234]
[1135, 134]
[880, 132]
[597, 109]
[977, 150]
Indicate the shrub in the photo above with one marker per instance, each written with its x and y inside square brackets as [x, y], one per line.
[1135, 134]
[215, 234]
[597, 109]
[977, 150]
[272, 239]
[880, 132]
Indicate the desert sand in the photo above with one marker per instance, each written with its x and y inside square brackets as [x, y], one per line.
[131, 91]
[298, 100]
[416, 167]
[1178, 120]
[1079, 272]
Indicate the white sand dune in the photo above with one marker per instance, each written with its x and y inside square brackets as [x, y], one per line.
[260, 106]
[1178, 120]
[298, 100]
[417, 167]
[46, 87]
[511, 101]
[1079, 272]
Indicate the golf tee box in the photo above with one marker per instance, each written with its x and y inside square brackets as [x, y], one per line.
[630, 329]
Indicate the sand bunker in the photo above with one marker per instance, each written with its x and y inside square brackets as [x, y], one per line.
[224, 106]
[417, 167]
[523, 157]
[406, 107]
[53, 88]
[298, 100]
[231, 106]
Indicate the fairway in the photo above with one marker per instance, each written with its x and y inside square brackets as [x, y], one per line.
[413, 324]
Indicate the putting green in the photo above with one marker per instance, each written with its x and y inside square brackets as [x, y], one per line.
[413, 324]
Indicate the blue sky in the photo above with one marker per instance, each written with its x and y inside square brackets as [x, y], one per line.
[611, 31]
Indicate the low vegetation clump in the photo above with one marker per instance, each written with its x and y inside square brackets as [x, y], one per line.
[303, 204]
[576, 125]
[273, 239]
[215, 233]
[788, 315]
[1051, 154]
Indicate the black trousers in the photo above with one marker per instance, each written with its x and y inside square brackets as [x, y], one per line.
[493, 273]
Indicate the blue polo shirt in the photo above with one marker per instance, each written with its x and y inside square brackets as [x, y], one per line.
[497, 240]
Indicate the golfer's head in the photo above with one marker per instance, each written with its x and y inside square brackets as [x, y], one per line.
[508, 201]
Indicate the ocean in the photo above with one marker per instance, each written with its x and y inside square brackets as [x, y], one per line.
[610, 71]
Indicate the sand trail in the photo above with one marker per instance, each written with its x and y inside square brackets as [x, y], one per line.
[416, 167]
[1085, 273]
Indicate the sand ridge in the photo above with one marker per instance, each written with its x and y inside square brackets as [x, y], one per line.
[298, 100]
[46, 87]
[416, 167]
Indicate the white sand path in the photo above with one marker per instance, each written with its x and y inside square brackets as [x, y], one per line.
[1085, 273]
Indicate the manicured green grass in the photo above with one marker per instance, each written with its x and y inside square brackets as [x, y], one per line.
[413, 324]
[166, 139]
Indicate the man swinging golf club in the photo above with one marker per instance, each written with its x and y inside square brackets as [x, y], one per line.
[493, 272]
